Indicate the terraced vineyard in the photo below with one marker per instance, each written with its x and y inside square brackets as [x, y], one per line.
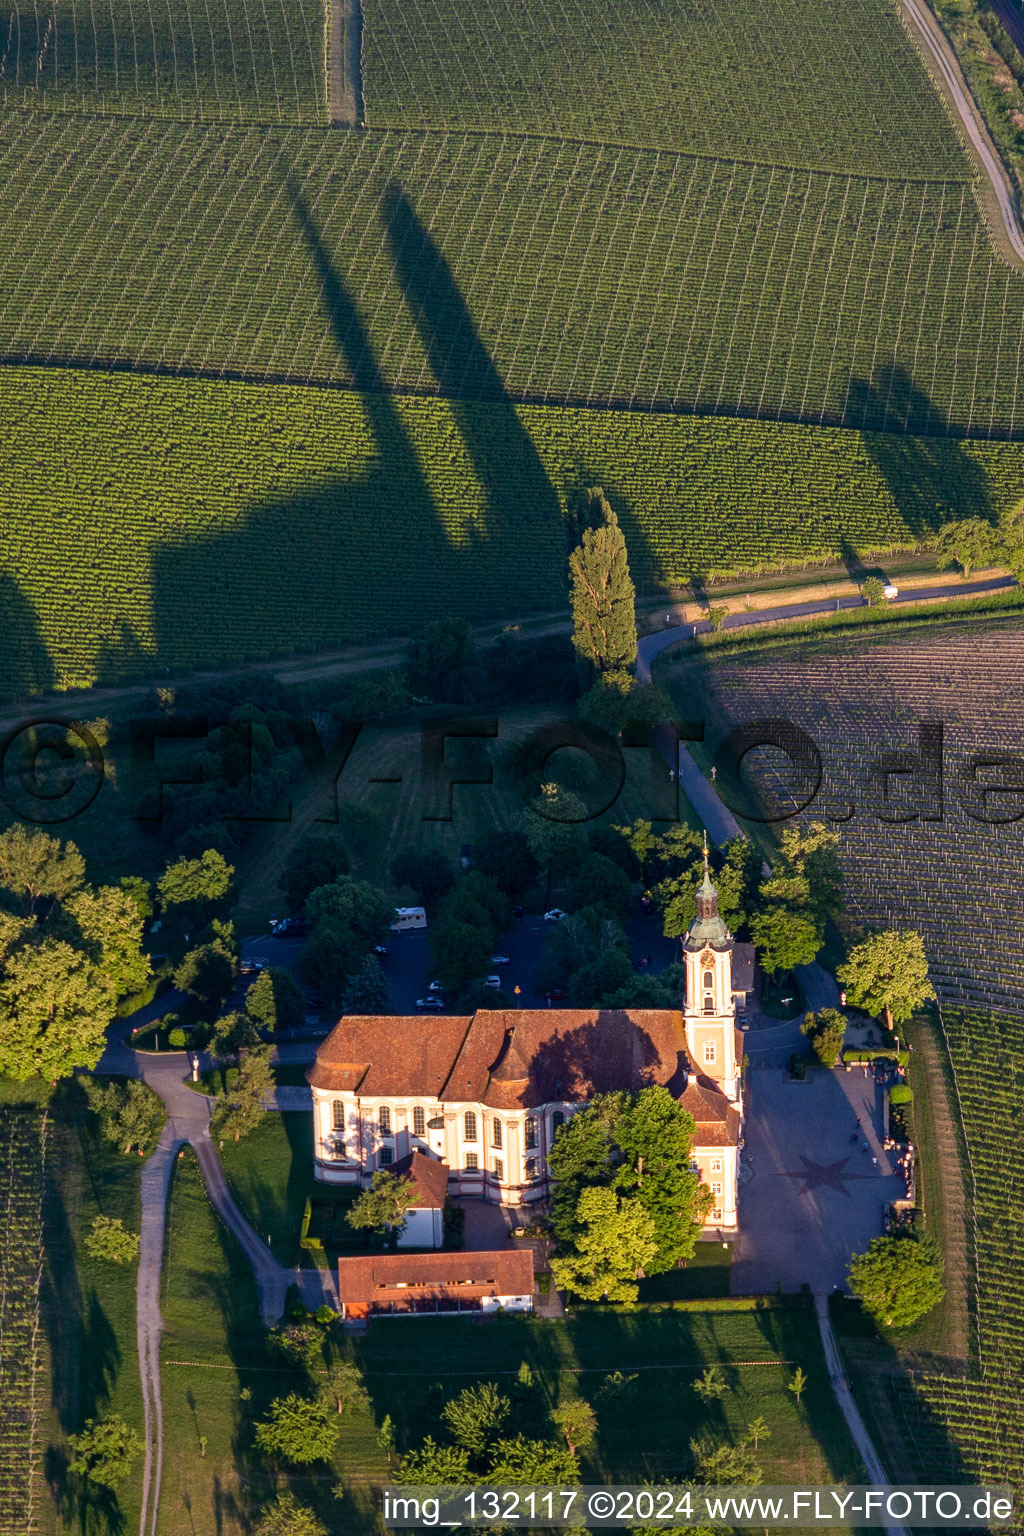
[776, 82]
[180, 58]
[467, 265]
[303, 518]
[956, 879]
[22, 1164]
[949, 851]
[984, 1416]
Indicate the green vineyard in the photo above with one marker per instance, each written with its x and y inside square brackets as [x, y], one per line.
[984, 1416]
[218, 59]
[22, 1391]
[153, 522]
[777, 82]
[473, 266]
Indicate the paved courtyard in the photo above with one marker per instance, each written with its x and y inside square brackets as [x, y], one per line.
[810, 1197]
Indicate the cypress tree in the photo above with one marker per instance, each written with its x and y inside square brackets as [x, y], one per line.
[603, 595]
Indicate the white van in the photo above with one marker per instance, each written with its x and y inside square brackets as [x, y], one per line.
[409, 917]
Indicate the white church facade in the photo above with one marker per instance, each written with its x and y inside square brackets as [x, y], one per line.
[486, 1093]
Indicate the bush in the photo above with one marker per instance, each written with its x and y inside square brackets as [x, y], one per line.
[901, 1094]
[176, 1039]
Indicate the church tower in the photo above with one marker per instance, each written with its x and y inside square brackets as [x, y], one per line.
[710, 1009]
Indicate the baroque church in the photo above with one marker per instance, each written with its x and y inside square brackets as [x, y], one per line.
[485, 1094]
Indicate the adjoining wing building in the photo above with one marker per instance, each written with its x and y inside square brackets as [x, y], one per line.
[486, 1093]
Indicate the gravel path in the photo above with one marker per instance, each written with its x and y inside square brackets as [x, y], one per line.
[188, 1121]
[851, 1413]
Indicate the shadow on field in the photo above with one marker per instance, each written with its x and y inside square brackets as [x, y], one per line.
[930, 478]
[310, 569]
[25, 666]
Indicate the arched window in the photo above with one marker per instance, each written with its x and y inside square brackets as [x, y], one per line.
[709, 979]
[384, 1120]
[495, 1133]
[419, 1120]
[338, 1115]
[530, 1133]
[557, 1119]
[470, 1125]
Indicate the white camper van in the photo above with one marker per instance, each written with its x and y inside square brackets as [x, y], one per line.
[409, 917]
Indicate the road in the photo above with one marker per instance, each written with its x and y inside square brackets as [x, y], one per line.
[934, 39]
[651, 646]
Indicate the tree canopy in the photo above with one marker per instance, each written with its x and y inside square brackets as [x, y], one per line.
[299, 1429]
[602, 594]
[613, 1247]
[888, 973]
[383, 1206]
[68, 951]
[898, 1278]
[103, 1450]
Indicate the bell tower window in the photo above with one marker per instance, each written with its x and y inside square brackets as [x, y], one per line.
[709, 980]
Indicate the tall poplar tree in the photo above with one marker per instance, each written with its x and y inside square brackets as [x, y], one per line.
[602, 592]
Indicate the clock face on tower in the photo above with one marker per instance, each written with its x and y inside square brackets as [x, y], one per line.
[708, 957]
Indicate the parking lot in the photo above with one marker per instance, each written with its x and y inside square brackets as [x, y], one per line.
[407, 963]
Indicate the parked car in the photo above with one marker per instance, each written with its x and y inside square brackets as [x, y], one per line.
[555, 915]
[500, 960]
[435, 986]
[493, 981]
[253, 964]
[432, 1004]
[289, 925]
[380, 949]
[558, 995]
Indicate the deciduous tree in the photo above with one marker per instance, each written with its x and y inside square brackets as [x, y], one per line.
[383, 1206]
[969, 543]
[888, 973]
[613, 1248]
[287, 1517]
[299, 1430]
[475, 1417]
[578, 1423]
[104, 1450]
[110, 1239]
[274, 1001]
[898, 1278]
[826, 1031]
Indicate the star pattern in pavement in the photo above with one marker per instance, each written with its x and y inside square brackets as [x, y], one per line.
[825, 1176]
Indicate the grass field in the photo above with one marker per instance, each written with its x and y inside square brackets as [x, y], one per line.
[182, 522]
[88, 1310]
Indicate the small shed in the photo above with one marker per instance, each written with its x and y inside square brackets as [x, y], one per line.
[424, 1221]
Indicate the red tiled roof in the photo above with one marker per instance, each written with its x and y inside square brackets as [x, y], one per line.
[429, 1175]
[387, 1055]
[519, 1059]
[386, 1277]
[566, 1055]
[717, 1122]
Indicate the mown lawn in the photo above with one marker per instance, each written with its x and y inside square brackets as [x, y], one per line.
[88, 1310]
